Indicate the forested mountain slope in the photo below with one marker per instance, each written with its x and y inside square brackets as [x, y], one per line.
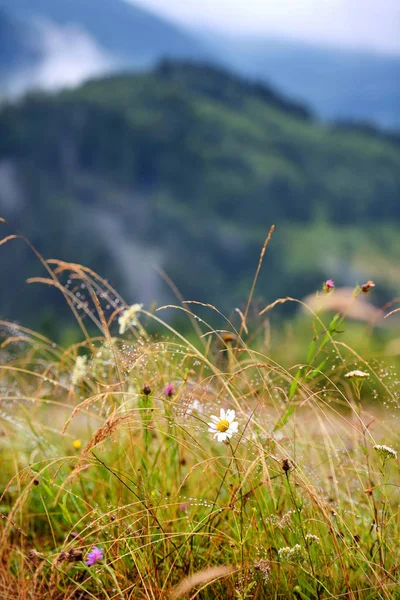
[185, 168]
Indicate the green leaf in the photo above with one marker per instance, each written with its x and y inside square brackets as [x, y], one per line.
[317, 370]
[294, 384]
[285, 418]
[310, 352]
[64, 509]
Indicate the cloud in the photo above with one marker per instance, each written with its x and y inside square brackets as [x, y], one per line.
[69, 57]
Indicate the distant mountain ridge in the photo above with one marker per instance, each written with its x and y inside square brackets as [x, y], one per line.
[336, 83]
[214, 81]
[18, 46]
[130, 33]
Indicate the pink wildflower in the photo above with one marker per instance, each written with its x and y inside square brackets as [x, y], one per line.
[169, 390]
[329, 285]
[93, 556]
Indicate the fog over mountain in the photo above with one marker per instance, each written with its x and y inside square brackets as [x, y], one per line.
[67, 56]
[75, 40]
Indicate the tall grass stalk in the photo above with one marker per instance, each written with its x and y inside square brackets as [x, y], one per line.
[106, 443]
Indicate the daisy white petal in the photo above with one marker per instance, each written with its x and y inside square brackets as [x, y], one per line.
[225, 426]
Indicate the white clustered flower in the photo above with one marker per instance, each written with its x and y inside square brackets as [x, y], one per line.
[224, 426]
[129, 318]
[295, 555]
[79, 370]
[385, 452]
[312, 539]
[357, 374]
[283, 521]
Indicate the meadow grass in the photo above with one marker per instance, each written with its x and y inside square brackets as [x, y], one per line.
[113, 487]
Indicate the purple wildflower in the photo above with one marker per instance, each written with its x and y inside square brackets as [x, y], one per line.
[93, 556]
[329, 285]
[169, 390]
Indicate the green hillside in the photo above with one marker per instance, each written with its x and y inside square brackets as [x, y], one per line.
[185, 168]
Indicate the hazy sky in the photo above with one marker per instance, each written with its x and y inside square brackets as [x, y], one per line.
[367, 24]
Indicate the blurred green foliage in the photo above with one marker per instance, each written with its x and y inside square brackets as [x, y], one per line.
[186, 167]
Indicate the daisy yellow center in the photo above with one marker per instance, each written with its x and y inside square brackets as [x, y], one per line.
[223, 425]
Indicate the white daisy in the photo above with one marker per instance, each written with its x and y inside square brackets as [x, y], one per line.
[224, 426]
